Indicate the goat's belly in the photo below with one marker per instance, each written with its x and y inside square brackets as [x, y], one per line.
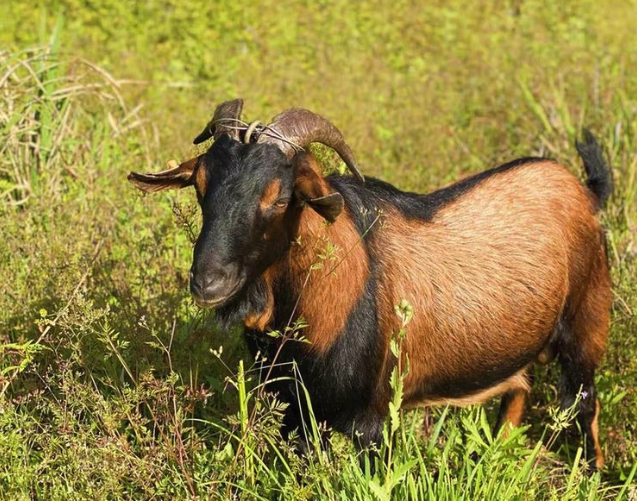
[460, 379]
[478, 352]
[471, 340]
[463, 397]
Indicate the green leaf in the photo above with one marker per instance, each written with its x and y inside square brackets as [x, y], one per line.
[379, 491]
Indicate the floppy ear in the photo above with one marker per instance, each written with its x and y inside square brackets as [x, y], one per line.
[311, 188]
[178, 176]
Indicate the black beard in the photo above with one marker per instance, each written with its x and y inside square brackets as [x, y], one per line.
[251, 300]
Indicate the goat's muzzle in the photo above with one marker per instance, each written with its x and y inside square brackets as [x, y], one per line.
[214, 289]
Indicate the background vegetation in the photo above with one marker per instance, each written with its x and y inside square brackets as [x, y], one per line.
[113, 385]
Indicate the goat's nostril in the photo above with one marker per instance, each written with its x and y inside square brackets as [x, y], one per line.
[208, 287]
[195, 288]
[212, 283]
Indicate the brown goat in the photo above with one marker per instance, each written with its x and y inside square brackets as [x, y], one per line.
[502, 269]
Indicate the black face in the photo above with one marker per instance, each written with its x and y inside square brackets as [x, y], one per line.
[246, 195]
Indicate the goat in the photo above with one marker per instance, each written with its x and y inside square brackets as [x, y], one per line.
[502, 269]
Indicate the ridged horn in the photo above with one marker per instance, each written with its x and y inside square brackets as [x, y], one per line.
[299, 127]
[223, 121]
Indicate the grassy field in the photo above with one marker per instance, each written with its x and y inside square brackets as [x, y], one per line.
[113, 385]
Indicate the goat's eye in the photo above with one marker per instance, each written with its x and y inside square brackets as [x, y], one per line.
[281, 204]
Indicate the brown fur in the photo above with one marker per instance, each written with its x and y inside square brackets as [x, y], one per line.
[270, 194]
[599, 456]
[488, 277]
[590, 323]
[484, 293]
[201, 180]
[513, 407]
[322, 302]
[321, 282]
[263, 319]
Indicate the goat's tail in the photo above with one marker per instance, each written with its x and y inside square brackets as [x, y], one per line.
[600, 177]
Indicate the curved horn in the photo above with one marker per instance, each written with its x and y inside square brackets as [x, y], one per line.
[297, 128]
[223, 121]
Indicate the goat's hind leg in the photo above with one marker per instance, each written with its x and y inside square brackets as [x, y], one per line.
[513, 401]
[580, 349]
[578, 386]
[512, 406]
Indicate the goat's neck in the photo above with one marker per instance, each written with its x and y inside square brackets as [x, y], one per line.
[326, 270]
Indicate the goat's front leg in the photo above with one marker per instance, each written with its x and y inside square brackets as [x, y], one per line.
[367, 434]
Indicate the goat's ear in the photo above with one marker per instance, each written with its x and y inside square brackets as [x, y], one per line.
[311, 188]
[177, 176]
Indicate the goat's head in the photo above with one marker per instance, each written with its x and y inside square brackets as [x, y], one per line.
[252, 184]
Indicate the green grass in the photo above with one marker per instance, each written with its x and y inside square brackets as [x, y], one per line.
[113, 385]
